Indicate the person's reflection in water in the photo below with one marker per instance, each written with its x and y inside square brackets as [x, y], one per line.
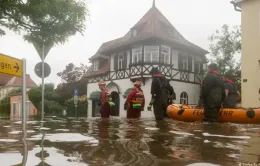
[161, 139]
[105, 153]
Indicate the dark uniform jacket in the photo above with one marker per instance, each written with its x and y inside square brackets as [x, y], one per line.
[212, 90]
[161, 88]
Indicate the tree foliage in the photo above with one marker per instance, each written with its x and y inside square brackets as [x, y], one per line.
[5, 102]
[225, 48]
[52, 99]
[44, 20]
[73, 73]
[72, 77]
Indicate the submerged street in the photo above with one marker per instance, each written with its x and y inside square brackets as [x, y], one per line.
[92, 141]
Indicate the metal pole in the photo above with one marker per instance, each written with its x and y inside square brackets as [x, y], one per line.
[24, 114]
[42, 82]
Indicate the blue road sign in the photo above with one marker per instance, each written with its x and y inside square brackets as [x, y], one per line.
[75, 92]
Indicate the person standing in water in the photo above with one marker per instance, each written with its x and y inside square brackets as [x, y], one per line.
[231, 91]
[159, 94]
[135, 101]
[212, 93]
[105, 98]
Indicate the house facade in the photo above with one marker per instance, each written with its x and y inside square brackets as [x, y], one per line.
[16, 107]
[152, 42]
[250, 39]
[9, 83]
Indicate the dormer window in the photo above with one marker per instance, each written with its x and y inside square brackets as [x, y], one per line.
[134, 33]
[96, 65]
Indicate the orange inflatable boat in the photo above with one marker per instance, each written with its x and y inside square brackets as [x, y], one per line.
[236, 115]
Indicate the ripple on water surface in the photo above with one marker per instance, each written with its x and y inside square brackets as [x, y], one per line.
[76, 142]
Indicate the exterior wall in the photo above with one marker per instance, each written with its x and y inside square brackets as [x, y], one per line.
[191, 89]
[250, 53]
[18, 112]
[5, 90]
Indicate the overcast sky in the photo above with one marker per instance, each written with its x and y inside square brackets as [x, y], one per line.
[110, 19]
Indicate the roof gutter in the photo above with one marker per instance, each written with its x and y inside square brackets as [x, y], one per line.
[236, 7]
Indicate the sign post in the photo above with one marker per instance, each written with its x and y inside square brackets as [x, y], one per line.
[76, 101]
[42, 50]
[16, 67]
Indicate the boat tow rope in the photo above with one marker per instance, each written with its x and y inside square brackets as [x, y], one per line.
[181, 110]
[250, 113]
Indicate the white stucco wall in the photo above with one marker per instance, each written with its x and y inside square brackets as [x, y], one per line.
[191, 89]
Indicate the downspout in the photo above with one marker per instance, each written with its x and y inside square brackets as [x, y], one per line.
[235, 6]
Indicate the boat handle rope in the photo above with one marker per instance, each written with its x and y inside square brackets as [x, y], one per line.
[250, 113]
[181, 110]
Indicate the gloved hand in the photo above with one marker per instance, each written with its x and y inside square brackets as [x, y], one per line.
[149, 108]
[125, 106]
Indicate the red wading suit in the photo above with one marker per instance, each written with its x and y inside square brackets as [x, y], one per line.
[105, 108]
[135, 97]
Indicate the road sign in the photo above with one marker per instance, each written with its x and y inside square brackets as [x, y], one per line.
[39, 48]
[38, 70]
[76, 99]
[75, 92]
[11, 66]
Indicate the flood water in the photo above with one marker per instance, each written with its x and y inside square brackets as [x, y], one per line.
[80, 142]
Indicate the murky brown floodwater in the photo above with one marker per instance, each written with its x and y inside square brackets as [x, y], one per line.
[70, 142]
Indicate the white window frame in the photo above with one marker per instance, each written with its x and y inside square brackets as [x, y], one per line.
[134, 32]
[137, 54]
[199, 67]
[166, 55]
[184, 98]
[96, 65]
[151, 56]
[16, 108]
[120, 60]
[28, 103]
[185, 62]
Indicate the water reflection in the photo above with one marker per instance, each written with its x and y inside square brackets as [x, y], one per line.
[78, 141]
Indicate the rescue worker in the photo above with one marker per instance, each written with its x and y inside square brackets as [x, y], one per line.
[135, 101]
[159, 94]
[105, 109]
[231, 91]
[212, 93]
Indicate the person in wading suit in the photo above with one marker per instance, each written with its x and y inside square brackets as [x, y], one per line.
[171, 96]
[212, 93]
[159, 94]
[232, 94]
[135, 97]
[105, 98]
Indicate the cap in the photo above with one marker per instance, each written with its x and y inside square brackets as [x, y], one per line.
[138, 83]
[154, 70]
[213, 66]
[102, 83]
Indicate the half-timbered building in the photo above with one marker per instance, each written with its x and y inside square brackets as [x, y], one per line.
[152, 42]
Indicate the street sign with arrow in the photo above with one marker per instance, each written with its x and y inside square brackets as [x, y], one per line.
[11, 66]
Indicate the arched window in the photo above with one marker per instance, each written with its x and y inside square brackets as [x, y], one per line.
[184, 98]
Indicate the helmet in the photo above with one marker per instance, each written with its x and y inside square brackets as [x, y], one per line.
[138, 83]
[102, 83]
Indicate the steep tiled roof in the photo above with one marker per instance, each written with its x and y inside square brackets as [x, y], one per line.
[7, 80]
[4, 78]
[152, 24]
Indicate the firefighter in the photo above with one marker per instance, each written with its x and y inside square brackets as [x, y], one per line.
[212, 93]
[159, 94]
[135, 101]
[105, 109]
